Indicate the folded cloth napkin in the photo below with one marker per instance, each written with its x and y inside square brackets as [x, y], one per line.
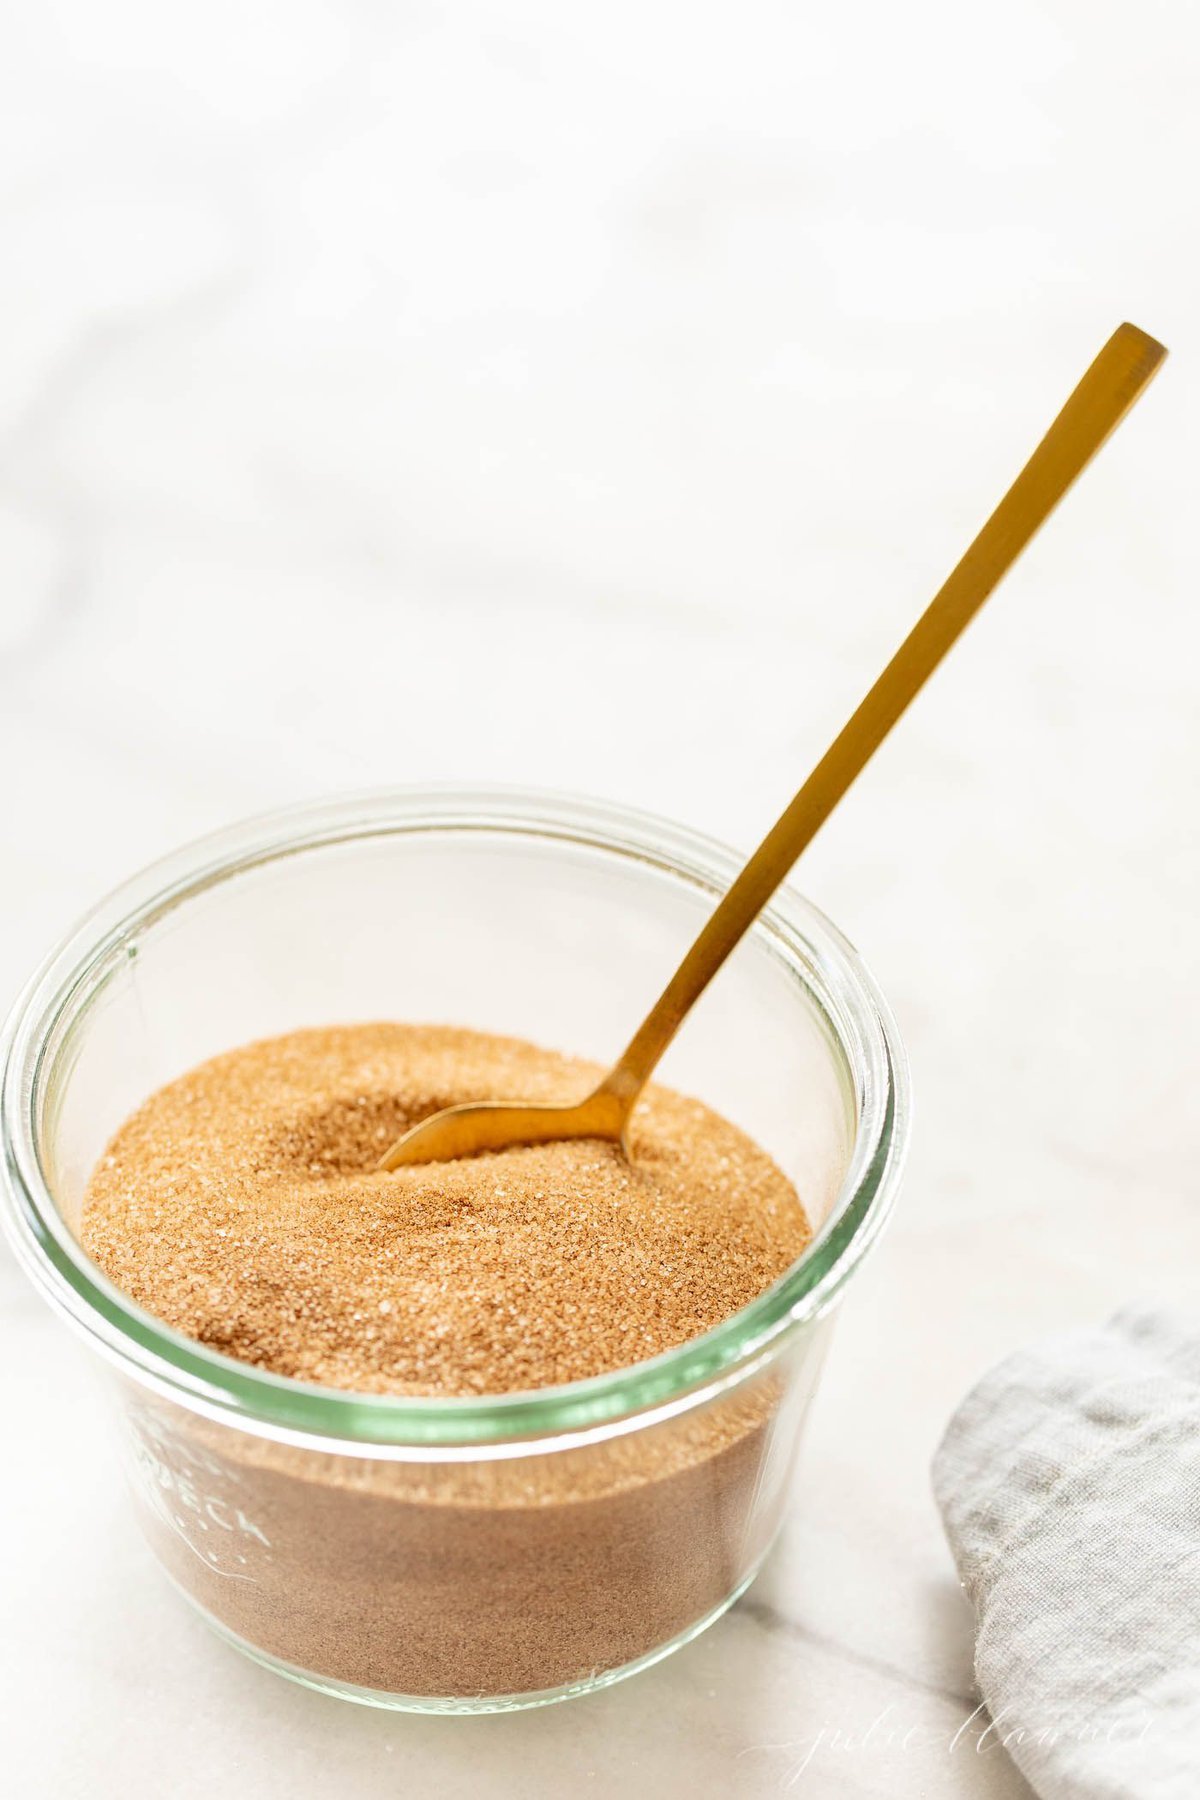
[1069, 1485]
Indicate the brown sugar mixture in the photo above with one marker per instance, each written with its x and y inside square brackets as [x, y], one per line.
[242, 1205]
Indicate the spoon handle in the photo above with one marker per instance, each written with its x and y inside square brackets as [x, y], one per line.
[1107, 391]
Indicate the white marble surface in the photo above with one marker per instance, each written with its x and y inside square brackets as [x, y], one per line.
[544, 393]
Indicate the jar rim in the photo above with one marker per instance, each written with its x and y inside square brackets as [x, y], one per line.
[278, 1406]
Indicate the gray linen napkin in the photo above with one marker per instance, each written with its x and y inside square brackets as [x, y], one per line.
[1069, 1485]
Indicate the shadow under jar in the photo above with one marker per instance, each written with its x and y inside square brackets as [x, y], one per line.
[461, 1554]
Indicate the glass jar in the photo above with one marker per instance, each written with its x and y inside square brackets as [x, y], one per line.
[458, 1555]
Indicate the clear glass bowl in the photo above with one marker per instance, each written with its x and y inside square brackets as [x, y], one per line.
[458, 1555]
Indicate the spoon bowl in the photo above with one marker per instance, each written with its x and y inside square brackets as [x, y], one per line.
[479, 1125]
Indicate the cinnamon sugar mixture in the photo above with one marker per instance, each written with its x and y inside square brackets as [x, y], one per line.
[242, 1205]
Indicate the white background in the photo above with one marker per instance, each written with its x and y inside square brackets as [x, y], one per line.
[590, 396]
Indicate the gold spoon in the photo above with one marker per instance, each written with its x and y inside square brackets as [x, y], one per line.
[1108, 389]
